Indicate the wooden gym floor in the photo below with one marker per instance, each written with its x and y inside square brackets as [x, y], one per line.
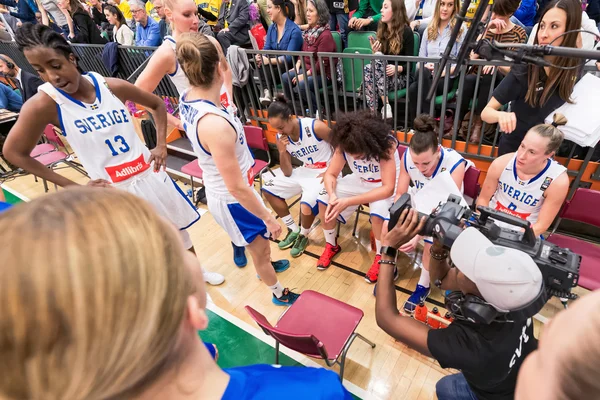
[390, 371]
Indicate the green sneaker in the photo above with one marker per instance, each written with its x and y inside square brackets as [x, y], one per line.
[299, 246]
[289, 240]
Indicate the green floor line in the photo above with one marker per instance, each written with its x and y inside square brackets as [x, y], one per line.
[11, 198]
[238, 347]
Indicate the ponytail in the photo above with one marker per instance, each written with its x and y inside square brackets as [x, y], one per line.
[198, 58]
[424, 137]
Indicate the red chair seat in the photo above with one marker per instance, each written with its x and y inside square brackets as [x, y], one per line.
[331, 321]
[52, 157]
[193, 169]
[259, 165]
[41, 149]
[589, 273]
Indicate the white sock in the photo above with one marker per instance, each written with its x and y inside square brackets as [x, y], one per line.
[330, 236]
[277, 289]
[304, 231]
[378, 246]
[424, 279]
[290, 223]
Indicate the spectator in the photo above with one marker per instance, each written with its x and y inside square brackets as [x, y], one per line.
[535, 92]
[60, 17]
[153, 321]
[86, 30]
[394, 37]
[433, 44]
[209, 10]
[283, 35]
[317, 38]
[163, 24]
[588, 41]
[9, 99]
[233, 23]
[526, 12]
[122, 33]
[339, 18]
[51, 24]
[97, 8]
[367, 16]
[123, 5]
[147, 33]
[421, 15]
[300, 10]
[502, 30]
[25, 9]
[27, 83]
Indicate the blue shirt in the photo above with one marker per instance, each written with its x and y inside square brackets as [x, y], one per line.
[435, 48]
[271, 382]
[291, 40]
[526, 12]
[10, 99]
[148, 35]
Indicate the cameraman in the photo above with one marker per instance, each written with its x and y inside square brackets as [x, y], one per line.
[488, 355]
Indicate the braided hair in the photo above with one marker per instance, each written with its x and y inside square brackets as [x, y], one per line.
[29, 36]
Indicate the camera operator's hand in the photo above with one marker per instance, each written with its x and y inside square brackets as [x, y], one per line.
[405, 232]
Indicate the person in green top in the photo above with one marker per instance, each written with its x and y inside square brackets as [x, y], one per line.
[367, 17]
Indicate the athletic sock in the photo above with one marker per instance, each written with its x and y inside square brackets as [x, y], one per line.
[424, 279]
[330, 236]
[277, 289]
[290, 223]
[378, 246]
[304, 231]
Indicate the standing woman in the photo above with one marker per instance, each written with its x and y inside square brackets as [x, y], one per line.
[91, 113]
[535, 92]
[283, 35]
[394, 37]
[317, 39]
[87, 31]
[183, 15]
[97, 9]
[122, 33]
[218, 140]
[61, 17]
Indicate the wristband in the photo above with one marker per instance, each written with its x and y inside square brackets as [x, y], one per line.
[389, 251]
[438, 256]
[387, 262]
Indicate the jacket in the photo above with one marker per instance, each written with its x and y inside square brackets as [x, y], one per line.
[235, 17]
[88, 32]
[324, 43]
[110, 58]
[25, 10]
[29, 85]
[291, 40]
[239, 64]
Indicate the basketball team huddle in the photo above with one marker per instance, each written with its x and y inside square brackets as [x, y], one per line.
[90, 111]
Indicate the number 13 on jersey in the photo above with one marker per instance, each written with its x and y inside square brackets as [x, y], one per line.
[120, 144]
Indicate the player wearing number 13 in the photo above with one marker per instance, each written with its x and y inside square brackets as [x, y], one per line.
[97, 125]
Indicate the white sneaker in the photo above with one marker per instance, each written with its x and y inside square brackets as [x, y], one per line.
[212, 278]
[266, 99]
[386, 112]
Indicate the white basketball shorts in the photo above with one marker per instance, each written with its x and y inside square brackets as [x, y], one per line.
[303, 181]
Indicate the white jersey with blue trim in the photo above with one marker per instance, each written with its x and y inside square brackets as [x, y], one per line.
[369, 170]
[101, 133]
[449, 160]
[191, 112]
[309, 149]
[182, 83]
[521, 198]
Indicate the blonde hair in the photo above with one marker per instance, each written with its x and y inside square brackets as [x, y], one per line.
[93, 292]
[551, 132]
[198, 58]
[434, 25]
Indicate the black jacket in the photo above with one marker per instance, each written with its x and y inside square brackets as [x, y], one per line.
[30, 84]
[87, 31]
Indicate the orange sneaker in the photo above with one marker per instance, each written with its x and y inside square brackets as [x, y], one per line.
[327, 256]
[373, 272]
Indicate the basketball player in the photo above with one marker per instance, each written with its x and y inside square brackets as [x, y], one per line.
[362, 141]
[220, 144]
[423, 161]
[529, 184]
[183, 15]
[306, 139]
[97, 125]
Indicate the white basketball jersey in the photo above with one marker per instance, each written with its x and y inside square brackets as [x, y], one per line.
[191, 112]
[520, 198]
[449, 160]
[101, 133]
[182, 83]
[369, 170]
[309, 149]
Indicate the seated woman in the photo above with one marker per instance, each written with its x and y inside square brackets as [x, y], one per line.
[115, 259]
[502, 30]
[283, 35]
[317, 38]
[433, 44]
[122, 33]
[362, 141]
[529, 184]
[424, 160]
[394, 37]
[535, 92]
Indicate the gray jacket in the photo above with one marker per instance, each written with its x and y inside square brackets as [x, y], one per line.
[239, 64]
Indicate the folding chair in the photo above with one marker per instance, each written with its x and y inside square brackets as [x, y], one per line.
[581, 208]
[471, 184]
[194, 171]
[257, 140]
[315, 325]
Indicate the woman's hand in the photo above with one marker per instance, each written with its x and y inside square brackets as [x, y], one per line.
[273, 227]
[390, 70]
[103, 183]
[507, 121]
[429, 66]
[498, 24]
[406, 234]
[282, 143]
[159, 156]
[352, 22]
[258, 59]
[376, 46]
[416, 23]
[297, 79]
[334, 208]
[488, 69]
